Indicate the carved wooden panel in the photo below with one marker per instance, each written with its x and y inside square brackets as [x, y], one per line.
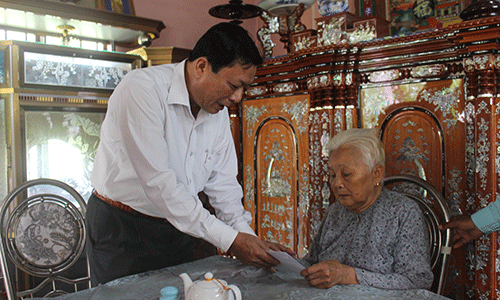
[320, 131]
[275, 168]
[483, 145]
[413, 145]
[276, 177]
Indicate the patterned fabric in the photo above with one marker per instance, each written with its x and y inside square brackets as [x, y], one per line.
[254, 284]
[387, 244]
[46, 234]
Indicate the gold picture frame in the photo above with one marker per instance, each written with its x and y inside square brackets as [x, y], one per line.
[118, 6]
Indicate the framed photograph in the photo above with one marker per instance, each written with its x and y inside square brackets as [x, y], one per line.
[118, 6]
[407, 16]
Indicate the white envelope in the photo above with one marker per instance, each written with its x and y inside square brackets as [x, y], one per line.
[288, 263]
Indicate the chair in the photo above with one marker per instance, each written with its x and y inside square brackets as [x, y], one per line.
[42, 234]
[436, 211]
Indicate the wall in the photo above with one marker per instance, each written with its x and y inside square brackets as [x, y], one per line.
[187, 20]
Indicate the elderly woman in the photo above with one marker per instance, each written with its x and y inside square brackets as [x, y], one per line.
[370, 235]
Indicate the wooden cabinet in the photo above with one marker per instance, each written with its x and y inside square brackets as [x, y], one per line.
[44, 17]
[433, 98]
[52, 103]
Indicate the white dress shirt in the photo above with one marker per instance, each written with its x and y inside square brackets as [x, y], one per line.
[156, 157]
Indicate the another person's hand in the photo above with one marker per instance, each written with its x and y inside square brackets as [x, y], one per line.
[252, 250]
[328, 273]
[463, 229]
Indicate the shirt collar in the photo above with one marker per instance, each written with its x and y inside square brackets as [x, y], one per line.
[178, 93]
[375, 203]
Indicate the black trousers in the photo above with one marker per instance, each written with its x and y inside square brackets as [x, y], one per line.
[120, 243]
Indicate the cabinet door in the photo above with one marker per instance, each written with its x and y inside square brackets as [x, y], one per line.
[61, 145]
[275, 168]
[421, 126]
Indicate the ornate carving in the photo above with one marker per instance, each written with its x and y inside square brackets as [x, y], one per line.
[303, 43]
[435, 70]
[483, 152]
[380, 76]
[446, 101]
[482, 62]
[319, 135]
[284, 25]
[319, 81]
[264, 33]
[331, 32]
[362, 33]
[286, 87]
[274, 170]
[256, 91]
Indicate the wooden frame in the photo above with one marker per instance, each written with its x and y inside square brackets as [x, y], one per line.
[118, 6]
[72, 14]
[432, 14]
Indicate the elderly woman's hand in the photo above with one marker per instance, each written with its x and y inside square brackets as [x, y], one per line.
[328, 273]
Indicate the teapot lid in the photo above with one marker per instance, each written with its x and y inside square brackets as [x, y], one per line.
[210, 282]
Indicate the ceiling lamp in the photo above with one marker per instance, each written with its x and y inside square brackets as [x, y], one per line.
[235, 11]
[65, 30]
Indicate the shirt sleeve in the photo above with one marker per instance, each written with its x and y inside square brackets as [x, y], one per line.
[488, 218]
[141, 124]
[411, 268]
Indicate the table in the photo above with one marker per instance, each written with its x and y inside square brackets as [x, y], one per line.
[254, 283]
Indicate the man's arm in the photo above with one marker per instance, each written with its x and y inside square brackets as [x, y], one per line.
[225, 194]
[488, 219]
[251, 250]
[468, 228]
[464, 230]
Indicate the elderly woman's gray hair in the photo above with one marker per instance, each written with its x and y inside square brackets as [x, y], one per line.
[362, 140]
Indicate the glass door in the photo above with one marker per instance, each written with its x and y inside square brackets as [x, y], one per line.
[61, 145]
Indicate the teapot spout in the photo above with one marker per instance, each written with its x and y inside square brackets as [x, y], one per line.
[187, 282]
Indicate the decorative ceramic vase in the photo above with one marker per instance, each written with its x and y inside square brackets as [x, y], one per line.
[332, 7]
[283, 7]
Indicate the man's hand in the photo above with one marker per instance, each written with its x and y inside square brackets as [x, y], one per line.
[251, 250]
[328, 273]
[464, 230]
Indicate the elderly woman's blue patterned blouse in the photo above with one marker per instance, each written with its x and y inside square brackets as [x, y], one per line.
[387, 244]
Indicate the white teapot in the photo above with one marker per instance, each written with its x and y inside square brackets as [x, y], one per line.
[209, 289]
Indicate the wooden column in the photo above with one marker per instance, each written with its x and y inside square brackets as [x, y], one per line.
[486, 178]
[320, 130]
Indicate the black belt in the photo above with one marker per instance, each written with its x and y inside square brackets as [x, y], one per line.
[126, 208]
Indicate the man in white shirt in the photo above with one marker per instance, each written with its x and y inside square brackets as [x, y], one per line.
[165, 138]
